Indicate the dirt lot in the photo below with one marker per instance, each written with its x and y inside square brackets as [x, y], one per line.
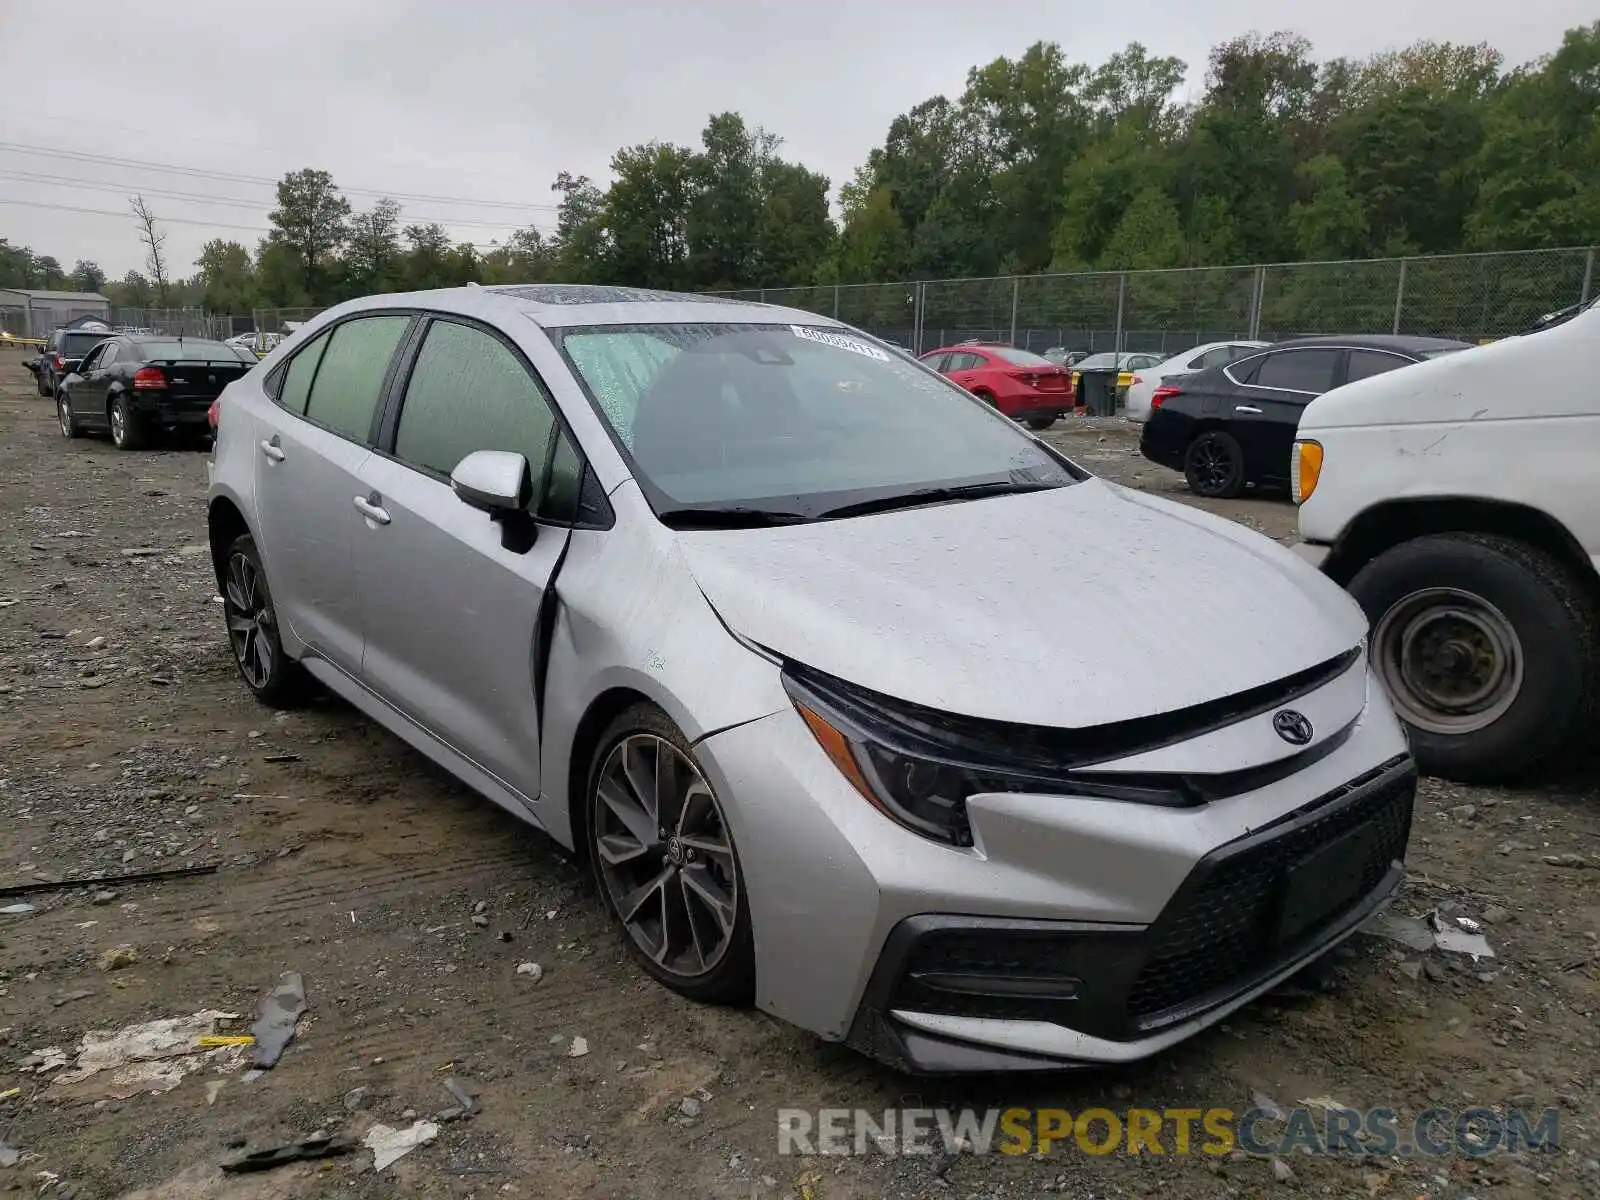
[126, 744]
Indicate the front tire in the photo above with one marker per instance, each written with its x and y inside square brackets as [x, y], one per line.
[664, 859]
[1213, 465]
[1486, 647]
[127, 428]
[271, 675]
[1040, 422]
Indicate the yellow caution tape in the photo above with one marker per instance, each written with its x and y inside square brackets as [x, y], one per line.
[10, 1092]
[243, 1039]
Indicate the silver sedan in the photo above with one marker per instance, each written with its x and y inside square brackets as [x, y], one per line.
[817, 661]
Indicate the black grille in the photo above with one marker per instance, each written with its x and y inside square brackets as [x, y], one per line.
[1221, 925]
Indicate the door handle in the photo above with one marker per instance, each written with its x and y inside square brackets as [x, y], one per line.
[371, 507]
[1249, 408]
[273, 450]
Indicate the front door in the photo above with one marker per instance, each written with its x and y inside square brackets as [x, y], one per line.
[308, 464]
[450, 602]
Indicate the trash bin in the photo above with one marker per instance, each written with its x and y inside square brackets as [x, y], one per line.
[1097, 391]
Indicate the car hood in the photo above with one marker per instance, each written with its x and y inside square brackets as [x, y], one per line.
[1075, 606]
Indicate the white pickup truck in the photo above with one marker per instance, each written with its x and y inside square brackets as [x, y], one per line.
[1458, 500]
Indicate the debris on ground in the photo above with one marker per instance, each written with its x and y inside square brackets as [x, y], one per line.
[357, 1098]
[580, 1047]
[153, 1056]
[18, 910]
[104, 881]
[532, 970]
[118, 957]
[466, 1104]
[50, 1058]
[9, 1155]
[275, 1018]
[1434, 931]
[1566, 860]
[388, 1144]
[314, 1147]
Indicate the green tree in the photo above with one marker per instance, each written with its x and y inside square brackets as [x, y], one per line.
[311, 219]
[135, 291]
[87, 276]
[281, 275]
[1149, 234]
[526, 257]
[582, 242]
[49, 273]
[1330, 222]
[372, 250]
[427, 259]
[725, 212]
[874, 245]
[227, 277]
[647, 215]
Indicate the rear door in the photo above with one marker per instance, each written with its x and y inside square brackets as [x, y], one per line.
[1266, 412]
[451, 600]
[314, 442]
[964, 368]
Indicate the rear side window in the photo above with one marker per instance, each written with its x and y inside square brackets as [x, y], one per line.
[937, 361]
[469, 392]
[350, 379]
[296, 388]
[1298, 370]
[1366, 363]
[1214, 357]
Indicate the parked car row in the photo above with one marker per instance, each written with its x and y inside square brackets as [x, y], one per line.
[762, 619]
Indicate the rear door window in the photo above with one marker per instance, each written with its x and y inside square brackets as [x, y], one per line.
[1309, 371]
[1366, 363]
[295, 389]
[349, 381]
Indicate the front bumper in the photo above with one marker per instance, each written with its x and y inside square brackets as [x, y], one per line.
[960, 994]
[844, 903]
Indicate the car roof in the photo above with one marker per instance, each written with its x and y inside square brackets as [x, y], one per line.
[1372, 341]
[560, 305]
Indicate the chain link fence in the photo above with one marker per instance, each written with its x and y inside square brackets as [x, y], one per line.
[1471, 297]
[172, 322]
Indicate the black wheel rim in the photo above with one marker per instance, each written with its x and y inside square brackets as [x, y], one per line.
[1213, 466]
[251, 626]
[665, 855]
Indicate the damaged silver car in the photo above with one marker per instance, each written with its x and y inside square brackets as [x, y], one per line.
[816, 660]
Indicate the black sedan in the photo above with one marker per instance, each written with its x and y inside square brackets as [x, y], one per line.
[1233, 425]
[132, 386]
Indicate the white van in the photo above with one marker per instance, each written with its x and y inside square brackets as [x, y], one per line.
[1459, 502]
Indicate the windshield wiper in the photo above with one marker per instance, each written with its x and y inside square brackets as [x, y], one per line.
[733, 517]
[935, 495]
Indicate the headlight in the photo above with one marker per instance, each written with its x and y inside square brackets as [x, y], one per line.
[1305, 468]
[918, 767]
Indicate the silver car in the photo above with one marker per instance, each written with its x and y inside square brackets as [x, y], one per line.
[814, 658]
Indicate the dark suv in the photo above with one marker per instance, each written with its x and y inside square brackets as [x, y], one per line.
[62, 354]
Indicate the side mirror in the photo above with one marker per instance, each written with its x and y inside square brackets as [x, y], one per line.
[497, 481]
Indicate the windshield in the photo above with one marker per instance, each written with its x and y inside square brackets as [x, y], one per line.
[791, 419]
[1021, 358]
[76, 345]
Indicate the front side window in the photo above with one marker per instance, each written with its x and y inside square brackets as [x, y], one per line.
[790, 419]
[1298, 370]
[349, 381]
[469, 392]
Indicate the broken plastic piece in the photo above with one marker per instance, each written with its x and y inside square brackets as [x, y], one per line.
[389, 1144]
[275, 1018]
[311, 1148]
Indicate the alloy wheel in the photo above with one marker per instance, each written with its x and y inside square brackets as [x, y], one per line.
[1213, 466]
[665, 855]
[1451, 661]
[64, 415]
[251, 623]
[119, 424]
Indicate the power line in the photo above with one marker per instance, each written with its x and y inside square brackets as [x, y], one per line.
[233, 177]
[100, 185]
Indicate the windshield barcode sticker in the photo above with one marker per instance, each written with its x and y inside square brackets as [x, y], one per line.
[839, 343]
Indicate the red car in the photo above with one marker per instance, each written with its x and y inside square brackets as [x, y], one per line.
[1024, 386]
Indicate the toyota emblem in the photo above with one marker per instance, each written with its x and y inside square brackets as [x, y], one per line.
[1292, 727]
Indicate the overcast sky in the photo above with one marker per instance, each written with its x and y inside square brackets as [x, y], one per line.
[477, 104]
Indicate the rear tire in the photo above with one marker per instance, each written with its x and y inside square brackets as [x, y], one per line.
[662, 845]
[988, 398]
[1214, 465]
[70, 429]
[127, 428]
[1041, 422]
[1486, 646]
[273, 678]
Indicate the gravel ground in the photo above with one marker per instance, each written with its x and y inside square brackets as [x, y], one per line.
[407, 904]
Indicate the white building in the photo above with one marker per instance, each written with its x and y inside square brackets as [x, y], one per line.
[28, 312]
